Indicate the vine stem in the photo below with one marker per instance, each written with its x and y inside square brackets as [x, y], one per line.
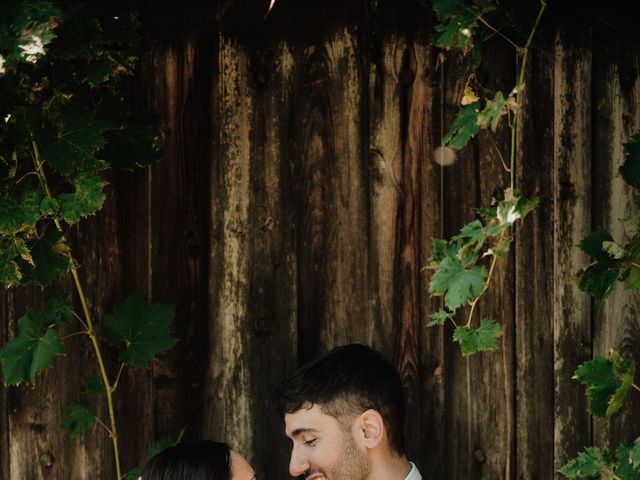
[520, 87]
[113, 432]
[494, 260]
[635, 386]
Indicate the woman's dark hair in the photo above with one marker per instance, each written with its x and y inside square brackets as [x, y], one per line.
[199, 460]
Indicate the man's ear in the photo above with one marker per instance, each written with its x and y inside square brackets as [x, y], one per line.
[371, 426]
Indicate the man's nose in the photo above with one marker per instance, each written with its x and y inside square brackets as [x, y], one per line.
[298, 464]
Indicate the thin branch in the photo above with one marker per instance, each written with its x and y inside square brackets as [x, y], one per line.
[25, 176]
[75, 334]
[102, 424]
[79, 318]
[87, 317]
[494, 260]
[495, 30]
[495, 147]
[115, 384]
[635, 386]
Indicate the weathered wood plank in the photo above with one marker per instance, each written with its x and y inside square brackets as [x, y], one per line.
[572, 218]
[227, 394]
[534, 344]
[178, 83]
[272, 299]
[460, 196]
[617, 117]
[332, 220]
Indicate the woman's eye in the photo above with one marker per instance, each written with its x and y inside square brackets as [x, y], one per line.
[310, 443]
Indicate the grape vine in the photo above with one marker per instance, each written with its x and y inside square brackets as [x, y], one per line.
[64, 121]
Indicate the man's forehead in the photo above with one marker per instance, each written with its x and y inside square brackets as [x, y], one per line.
[308, 418]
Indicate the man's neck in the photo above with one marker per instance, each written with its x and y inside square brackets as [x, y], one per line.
[390, 468]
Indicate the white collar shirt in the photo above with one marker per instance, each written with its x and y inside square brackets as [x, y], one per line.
[414, 474]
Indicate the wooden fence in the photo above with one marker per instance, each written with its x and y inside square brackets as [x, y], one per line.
[294, 211]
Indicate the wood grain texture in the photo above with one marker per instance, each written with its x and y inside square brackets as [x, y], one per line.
[272, 301]
[534, 247]
[461, 196]
[572, 218]
[227, 390]
[617, 117]
[294, 210]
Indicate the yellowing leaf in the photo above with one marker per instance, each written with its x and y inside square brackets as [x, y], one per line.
[469, 96]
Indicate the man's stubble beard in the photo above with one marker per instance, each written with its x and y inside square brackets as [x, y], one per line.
[352, 465]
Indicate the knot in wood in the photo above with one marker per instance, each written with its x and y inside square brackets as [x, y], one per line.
[479, 456]
[46, 459]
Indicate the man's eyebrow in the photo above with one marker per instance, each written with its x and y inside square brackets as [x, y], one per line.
[301, 430]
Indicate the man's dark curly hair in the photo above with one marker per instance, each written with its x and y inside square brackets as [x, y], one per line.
[345, 382]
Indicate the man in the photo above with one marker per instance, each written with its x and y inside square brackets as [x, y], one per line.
[344, 413]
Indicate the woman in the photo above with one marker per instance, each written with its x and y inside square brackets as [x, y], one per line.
[202, 460]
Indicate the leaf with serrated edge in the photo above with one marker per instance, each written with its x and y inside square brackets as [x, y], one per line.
[586, 465]
[457, 283]
[624, 371]
[438, 318]
[36, 344]
[464, 127]
[86, 200]
[79, 418]
[30, 352]
[144, 330]
[48, 263]
[602, 383]
[482, 338]
[630, 169]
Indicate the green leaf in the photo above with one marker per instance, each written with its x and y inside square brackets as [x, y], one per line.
[607, 381]
[624, 371]
[79, 418]
[472, 234]
[438, 318]
[482, 338]
[72, 146]
[633, 279]
[586, 465]
[50, 258]
[634, 454]
[592, 243]
[525, 205]
[56, 311]
[49, 206]
[598, 279]
[32, 351]
[11, 250]
[133, 145]
[18, 208]
[458, 283]
[622, 465]
[86, 200]
[630, 169]
[444, 8]
[93, 385]
[464, 127]
[492, 111]
[144, 330]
